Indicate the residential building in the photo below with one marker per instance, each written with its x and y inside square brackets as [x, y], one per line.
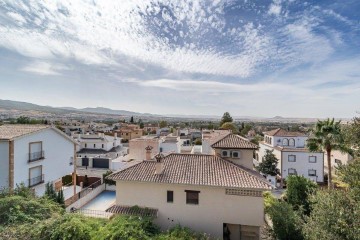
[129, 131]
[34, 155]
[337, 158]
[204, 192]
[98, 150]
[211, 136]
[294, 157]
[137, 147]
[170, 144]
[150, 128]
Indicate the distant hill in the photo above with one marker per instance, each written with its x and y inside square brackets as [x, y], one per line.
[24, 106]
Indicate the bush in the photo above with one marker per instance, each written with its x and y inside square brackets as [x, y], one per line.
[128, 227]
[298, 191]
[70, 226]
[286, 222]
[182, 233]
[18, 209]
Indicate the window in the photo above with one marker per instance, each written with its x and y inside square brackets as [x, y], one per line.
[161, 149]
[94, 145]
[235, 154]
[285, 142]
[85, 145]
[35, 151]
[312, 172]
[291, 171]
[292, 142]
[292, 158]
[170, 196]
[224, 153]
[312, 159]
[192, 197]
[102, 145]
[35, 176]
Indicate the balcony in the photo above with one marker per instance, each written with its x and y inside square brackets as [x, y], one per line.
[35, 156]
[36, 180]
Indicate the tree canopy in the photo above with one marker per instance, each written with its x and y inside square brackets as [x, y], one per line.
[229, 126]
[327, 136]
[268, 166]
[226, 118]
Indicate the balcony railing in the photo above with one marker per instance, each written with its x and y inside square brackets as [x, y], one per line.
[34, 156]
[36, 180]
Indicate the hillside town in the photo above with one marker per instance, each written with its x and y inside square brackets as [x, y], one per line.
[179, 120]
[212, 181]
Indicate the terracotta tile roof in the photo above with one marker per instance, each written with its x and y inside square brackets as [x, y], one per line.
[193, 169]
[289, 149]
[283, 133]
[11, 131]
[234, 141]
[137, 211]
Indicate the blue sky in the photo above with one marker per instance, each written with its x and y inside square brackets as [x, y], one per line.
[251, 58]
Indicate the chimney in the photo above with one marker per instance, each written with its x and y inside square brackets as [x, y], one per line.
[159, 165]
[148, 152]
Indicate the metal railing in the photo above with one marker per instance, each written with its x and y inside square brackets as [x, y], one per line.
[34, 156]
[93, 213]
[89, 189]
[36, 180]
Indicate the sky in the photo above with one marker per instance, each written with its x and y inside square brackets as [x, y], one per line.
[290, 58]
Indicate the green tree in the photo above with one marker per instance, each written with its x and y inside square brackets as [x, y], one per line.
[132, 119]
[245, 130]
[334, 216]
[268, 166]
[352, 136]
[141, 125]
[327, 136]
[226, 118]
[286, 222]
[163, 124]
[229, 126]
[298, 192]
[350, 175]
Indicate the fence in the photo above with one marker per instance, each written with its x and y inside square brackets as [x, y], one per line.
[93, 213]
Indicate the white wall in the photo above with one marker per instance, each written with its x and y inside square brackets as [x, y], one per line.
[4, 164]
[214, 208]
[58, 152]
[302, 165]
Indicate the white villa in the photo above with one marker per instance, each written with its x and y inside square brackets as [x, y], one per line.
[294, 157]
[216, 193]
[98, 150]
[34, 155]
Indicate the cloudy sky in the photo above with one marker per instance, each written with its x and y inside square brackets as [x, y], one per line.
[291, 58]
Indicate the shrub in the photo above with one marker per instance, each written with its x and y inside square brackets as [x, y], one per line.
[182, 233]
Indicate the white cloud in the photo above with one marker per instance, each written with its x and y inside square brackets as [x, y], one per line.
[44, 68]
[275, 8]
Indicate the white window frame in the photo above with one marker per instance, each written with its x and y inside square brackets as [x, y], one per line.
[292, 156]
[310, 157]
[293, 141]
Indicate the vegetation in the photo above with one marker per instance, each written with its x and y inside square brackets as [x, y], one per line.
[327, 136]
[226, 118]
[268, 166]
[25, 216]
[108, 181]
[229, 126]
[163, 124]
[198, 141]
[53, 195]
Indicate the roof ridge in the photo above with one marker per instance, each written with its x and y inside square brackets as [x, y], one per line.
[222, 137]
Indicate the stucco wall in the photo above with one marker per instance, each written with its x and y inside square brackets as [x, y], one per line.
[4, 164]
[137, 148]
[302, 164]
[246, 157]
[58, 152]
[214, 209]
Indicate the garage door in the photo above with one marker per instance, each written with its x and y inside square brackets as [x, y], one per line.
[101, 163]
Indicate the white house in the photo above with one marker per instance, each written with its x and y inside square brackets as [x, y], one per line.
[216, 193]
[34, 155]
[98, 150]
[294, 157]
[204, 192]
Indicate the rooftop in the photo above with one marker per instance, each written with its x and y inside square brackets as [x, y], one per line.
[193, 169]
[233, 141]
[134, 210]
[11, 131]
[283, 133]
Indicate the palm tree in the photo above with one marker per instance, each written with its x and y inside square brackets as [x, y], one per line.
[327, 136]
